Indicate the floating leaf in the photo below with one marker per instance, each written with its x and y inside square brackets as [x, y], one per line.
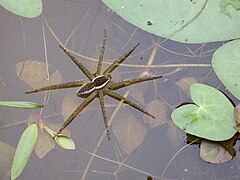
[25, 8]
[20, 104]
[190, 23]
[7, 153]
[226, 65]
[24, 150]
[211, 117]
[62, 140]
[228, 6]
[213, 152]
[128, 131]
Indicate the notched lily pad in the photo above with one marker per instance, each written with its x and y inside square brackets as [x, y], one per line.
[211, 117]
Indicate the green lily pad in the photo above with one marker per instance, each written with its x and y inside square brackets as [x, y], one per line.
[195, 22]
[24, 150]
[211, 117]
[25, 8]
[226, 64]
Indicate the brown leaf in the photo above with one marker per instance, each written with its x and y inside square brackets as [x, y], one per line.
[213, 152]
[237, 114]
[128, 131]
[159, 110]
[31, 72]
[6, 158]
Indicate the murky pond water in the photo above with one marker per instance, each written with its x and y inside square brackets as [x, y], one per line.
[139, 145]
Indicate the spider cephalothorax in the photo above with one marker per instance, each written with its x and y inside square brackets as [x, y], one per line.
[98, 85]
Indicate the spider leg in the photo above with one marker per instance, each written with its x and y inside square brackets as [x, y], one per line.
[116, 63]
[99, 67]
[101, 100]
[58, 86]
[77, 111]
[78, 63]
[127, 101]
[126, 83]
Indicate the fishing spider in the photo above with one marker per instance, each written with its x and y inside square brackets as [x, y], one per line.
[98, 86]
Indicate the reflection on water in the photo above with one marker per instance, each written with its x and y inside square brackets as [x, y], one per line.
[140, 147]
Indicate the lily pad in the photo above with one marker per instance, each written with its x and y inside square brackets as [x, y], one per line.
[211, 117]
[226, 65]
[25, 8]
[190, 23]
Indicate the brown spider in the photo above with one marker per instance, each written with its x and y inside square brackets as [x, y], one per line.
[99, 86]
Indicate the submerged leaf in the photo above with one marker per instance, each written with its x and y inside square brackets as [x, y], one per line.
[237, 113]
[7, 153]
[26, 8]
[159, 110]
[21, 104]
[32, 72]
[213, 152]
[44, 143]
[24, 150]
[128, 131]
[211, 117]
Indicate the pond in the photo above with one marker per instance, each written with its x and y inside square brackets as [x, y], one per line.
[139, 146]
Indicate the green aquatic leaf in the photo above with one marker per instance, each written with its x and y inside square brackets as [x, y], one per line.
[25, 8]
[62, 140]
[228, 5]
[20, 104]
[24, 150]
[195, 21]
[211, 117]
[226, 65]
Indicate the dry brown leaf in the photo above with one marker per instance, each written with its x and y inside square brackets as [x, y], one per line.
[159, 110]
[237, 114]
[34, 74]
[175, 134]
[71, 101]
[185, 83]
[6, 158]
[213, 152]
[44, 144]
[31, 72]
[128, 131]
